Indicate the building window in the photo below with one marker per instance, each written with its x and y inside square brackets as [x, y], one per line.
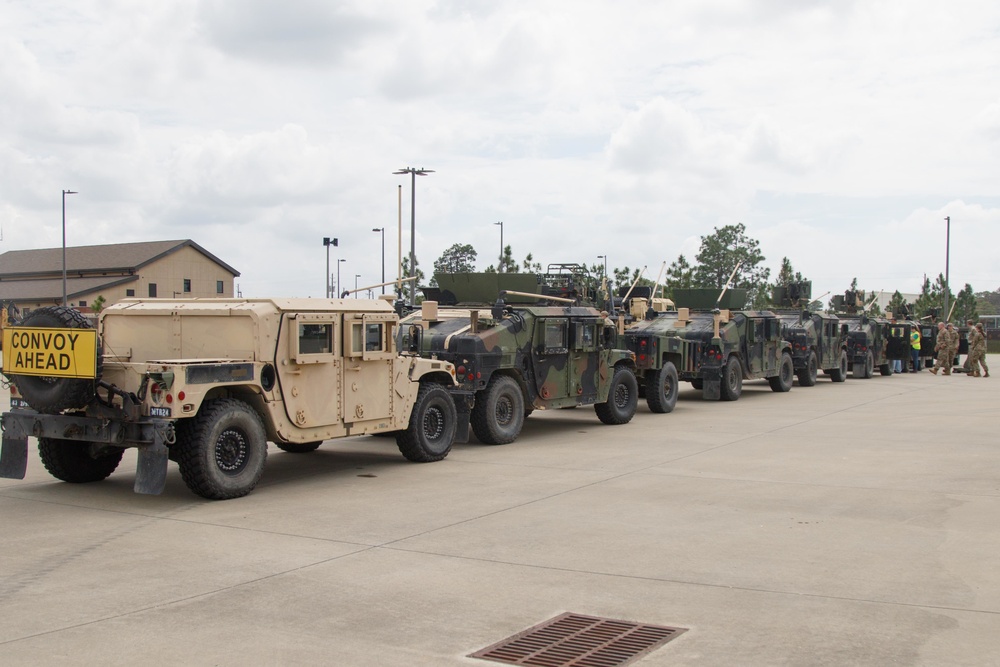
[83, 304]
[218, 287]
[130, 292]
[187, 285]
[152, 290]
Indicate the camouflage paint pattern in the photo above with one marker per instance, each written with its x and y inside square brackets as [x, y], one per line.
[559, 356]
[813, 332]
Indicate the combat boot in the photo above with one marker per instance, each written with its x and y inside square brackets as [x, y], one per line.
[934, 370]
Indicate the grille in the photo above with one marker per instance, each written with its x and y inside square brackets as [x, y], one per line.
[574, 640]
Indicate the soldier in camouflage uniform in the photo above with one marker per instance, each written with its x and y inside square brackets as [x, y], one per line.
[977, 351]
[946, 346]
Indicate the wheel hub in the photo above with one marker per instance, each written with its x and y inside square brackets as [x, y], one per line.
[621, 396]
[231, 452]
[433, 423]
[504, 411]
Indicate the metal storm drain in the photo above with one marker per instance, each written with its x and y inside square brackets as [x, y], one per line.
[574, 640]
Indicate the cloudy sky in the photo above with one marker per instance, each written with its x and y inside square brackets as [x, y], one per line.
[840, 133]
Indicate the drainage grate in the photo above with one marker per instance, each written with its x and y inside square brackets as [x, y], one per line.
[574, 640]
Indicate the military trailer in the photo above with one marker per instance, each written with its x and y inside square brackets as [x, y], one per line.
[818, 340]
[527, 351]
[724, 347]
[208, 382]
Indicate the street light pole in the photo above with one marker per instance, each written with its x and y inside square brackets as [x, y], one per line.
[605, 258]
[382, 230]
[500, 263]
[338, 276]
[327, 241]
[64, 193]
[947, 256]
[356, 276]
[413, 222]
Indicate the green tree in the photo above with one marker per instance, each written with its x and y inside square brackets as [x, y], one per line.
[965, 306]
[724, 251]
[459, 258]
[931, 299]
[988, 303]
[680, 274]
[508, 264]
[403, 290]
[97, 305]
[530, 265]
[897, 305]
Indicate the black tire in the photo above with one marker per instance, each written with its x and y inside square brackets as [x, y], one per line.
[807, 375]
[698, 383]
[72, 462]
[623, 398]
[839, 374]
[661, 389]
[222, 450]
[432, 428]
[51, 394]
[782, 382]
[299, 447]
[732, 380]
[885, 369]
[498, 415]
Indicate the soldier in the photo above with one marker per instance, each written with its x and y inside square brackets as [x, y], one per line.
[955, 340]
[943, 348]
[977, 351]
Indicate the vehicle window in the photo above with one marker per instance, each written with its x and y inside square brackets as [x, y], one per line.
[315, 338]
[373, 338]
[357, 337]
[586, 337]
[555, 336]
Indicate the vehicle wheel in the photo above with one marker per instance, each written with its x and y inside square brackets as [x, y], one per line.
[783, 380]
[71, 461]
[432, 428]
[732, 380]
[807, 375]
[885, 369]
[869, 365]
[698, 383]
[662, 388]
[623, 398]
[299, 447]
[55, 394]
[839, 374]
[498, 415]
[222, 450]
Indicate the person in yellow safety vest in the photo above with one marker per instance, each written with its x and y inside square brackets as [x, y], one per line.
[915, 346]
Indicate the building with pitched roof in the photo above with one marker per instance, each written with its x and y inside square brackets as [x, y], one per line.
[33, 278]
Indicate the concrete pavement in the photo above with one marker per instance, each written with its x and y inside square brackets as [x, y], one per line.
[853, 523]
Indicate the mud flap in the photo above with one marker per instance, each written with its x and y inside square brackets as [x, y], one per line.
[462, 425]
[13, 457]
[151, 470]
[711, 390]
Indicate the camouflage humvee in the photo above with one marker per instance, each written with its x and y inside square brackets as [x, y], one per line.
[724, 346]
[518, 355]
[660, 354]
[207, 382]
[867, 337]
[818, 340]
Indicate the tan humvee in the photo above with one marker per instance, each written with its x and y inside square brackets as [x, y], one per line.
[207, 382]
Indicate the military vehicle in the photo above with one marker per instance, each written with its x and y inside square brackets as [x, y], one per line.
[207, 382]
[659, 353]
[717, 348]
[527, 351]
[818, 340]
[867, 337]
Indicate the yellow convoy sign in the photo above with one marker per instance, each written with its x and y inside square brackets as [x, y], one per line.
[69, 353]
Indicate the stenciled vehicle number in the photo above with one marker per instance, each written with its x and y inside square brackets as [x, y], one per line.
[159, 412]
[19, 403]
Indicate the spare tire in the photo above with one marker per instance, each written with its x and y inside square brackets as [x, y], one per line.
[55, 394]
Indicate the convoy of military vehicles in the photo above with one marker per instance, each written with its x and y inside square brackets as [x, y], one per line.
[207, 383]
